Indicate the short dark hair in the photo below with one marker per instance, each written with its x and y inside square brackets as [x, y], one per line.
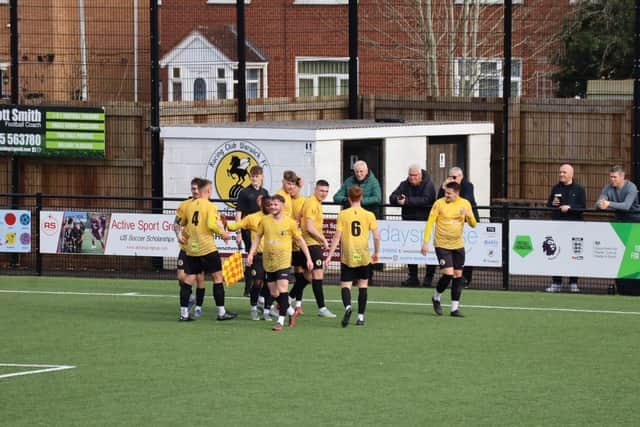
[454, 186]
[322, 183]
[256, 170]
[203, 183]
[278, 197]
[265, 202]
[617, 169]
[290, 176]
[196, 181]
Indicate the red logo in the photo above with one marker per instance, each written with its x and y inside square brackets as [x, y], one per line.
[50, 226]
[10, 219]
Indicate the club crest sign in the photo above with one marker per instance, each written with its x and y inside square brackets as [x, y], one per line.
[229, 165]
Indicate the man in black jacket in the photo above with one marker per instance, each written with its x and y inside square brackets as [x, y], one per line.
[416, 194]
[466, 192]
[569, 199]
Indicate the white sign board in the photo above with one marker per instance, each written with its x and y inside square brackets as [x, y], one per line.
[401, 242]
[15, 231]
[573, 248]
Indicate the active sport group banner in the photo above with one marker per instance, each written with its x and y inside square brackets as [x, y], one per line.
[15, 231]
[102, 233]
[568, 248]
[401, 241]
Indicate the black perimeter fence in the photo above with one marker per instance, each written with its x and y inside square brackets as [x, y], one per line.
[560, 81]
[137, 267]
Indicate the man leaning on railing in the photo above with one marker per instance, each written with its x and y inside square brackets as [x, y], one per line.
[620, 195]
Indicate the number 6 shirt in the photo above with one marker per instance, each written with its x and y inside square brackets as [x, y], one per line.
[355, 224]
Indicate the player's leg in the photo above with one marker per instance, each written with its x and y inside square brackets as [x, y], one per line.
[213, 266]
[346, 279]
[257, 277]
[445, 260]
[458, 281]
[301, 278]
[192, 268]
[201, 290]
[248, 277]
[363, 286]
[282, 287]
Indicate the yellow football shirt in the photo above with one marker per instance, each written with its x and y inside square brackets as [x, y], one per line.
[355, 224]
[200, 222]
[449, 223]
[249, 222]
[276, 238]
[312, 209]
[180, 213]
[287, 209]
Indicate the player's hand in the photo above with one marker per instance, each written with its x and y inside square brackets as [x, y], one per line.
[325, 245]
[182, 239]
[374, 257]
[424, 249]
[309, 264]
[327, 260]
[249, 260]
[238, 238]
[226, 237]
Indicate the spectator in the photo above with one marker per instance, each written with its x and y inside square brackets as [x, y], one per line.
[466, 192]
[570, 199]
[621, 196]
[365, 179]
[416, 194]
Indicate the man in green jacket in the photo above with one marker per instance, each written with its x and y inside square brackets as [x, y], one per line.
[371, 192]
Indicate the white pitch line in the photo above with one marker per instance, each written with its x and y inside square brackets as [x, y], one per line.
[46, 368]
[416, 304]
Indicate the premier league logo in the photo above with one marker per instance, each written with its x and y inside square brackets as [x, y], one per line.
[550, 248]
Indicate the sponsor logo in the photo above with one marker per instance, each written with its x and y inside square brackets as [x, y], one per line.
[550, 247]
[523, 245]
[229, 165]
[50, 226]
[577, 247]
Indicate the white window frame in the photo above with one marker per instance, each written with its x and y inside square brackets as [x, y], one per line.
[4, 1]
[4, 67]
[262, 86]
[320, 2]
[315, 77]
[498, 75]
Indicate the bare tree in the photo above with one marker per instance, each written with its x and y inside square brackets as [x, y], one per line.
[444, 42]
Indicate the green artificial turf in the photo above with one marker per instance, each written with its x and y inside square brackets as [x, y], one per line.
[515, 359]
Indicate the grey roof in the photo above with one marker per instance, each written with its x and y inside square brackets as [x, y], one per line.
[319, 124]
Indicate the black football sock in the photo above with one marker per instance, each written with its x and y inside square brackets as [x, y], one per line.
[346, 296]
[362, 300]
[218, 294]
[185, 293]
[254, 293]
[318, 292]
[443, 283]
[456, 288]
[283, 300]
[200, 296]
[298, 286]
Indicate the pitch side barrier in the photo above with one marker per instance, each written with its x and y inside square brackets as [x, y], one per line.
[125, 236]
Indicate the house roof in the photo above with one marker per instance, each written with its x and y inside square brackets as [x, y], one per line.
[225, 38]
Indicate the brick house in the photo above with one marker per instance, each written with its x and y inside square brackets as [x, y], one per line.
[306, 42]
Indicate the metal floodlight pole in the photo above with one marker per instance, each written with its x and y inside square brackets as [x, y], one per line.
[15, 93]
[156, 158]
[242, 62]
[353, 59]
[635, 140]
[506, 95]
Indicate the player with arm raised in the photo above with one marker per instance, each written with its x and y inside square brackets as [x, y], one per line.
[352, 231]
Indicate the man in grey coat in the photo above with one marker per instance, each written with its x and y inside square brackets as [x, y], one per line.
[621, 196]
